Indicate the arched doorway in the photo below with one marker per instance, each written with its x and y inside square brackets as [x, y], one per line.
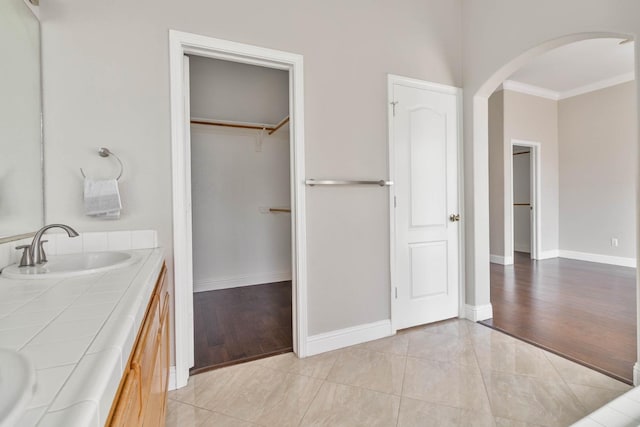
[479, 130]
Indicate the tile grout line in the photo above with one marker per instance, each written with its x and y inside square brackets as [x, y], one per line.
[533, 377]
[564, 381]
[213, 412]
[404, 375]
[484, 382]
[315, 396]
[240, 366]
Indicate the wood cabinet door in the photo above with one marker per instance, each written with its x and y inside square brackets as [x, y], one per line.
[128, 411]
[144, 356]
[156, 403]
[142, 395]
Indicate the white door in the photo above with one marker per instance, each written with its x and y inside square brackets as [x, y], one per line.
[425, 220]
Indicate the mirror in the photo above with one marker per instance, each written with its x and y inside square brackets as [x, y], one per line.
[21, 177]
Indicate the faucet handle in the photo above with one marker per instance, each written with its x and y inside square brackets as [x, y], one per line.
[43, 255]
[27, 259]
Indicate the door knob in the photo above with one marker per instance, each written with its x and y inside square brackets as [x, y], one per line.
[454, 217]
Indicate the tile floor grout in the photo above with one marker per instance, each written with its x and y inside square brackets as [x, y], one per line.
[484, 381]
[311, 402]
[468, 341]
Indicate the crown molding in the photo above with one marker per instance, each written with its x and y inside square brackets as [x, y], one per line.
[528, 89]
[541, 92]
[602, 84]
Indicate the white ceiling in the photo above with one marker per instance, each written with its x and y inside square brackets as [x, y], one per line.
[577, 68]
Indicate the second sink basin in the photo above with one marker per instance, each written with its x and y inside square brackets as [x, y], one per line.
[17, 386]
[71, 265]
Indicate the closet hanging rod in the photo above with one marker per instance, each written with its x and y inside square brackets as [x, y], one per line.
[280, 210]
[312, 182]
[522, 204]
[241, 125]
[522, 152]
[279, 125]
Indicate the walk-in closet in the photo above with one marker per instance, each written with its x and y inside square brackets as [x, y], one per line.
[241, 211]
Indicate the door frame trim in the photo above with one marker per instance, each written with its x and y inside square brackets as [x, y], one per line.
[393, 79]
[181, 43]
[536, 197]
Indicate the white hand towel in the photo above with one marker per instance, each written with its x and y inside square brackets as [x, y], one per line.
[102, 198]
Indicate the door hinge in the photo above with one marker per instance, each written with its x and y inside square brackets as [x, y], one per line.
[393, 104]
[395, 202]
[396, 289]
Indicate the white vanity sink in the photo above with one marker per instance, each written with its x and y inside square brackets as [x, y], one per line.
[71, 265]
[17, 386]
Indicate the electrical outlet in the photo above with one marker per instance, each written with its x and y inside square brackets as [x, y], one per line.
[614, 242]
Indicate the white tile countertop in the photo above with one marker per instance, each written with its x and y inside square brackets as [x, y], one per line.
[78, 333]
[623, 411]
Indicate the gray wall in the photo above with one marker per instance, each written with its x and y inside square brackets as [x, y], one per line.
[533, 118]
[528, 118]
[598, 151]
[106, 83]
[588, 168]
[496, 173]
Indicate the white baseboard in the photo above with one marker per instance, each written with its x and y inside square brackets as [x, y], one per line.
[525, 249]
[476, 313]
[636, 374]
[603, 259]
[238, 281]
[341, 338]
[552, 253]
[172, 378]
[502, 260]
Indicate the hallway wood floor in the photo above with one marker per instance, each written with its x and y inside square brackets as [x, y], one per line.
[584, 311]
[241, 324]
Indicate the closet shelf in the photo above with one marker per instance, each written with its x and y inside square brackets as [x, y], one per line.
[242, 125]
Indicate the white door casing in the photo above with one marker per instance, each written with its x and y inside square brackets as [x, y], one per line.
[181, 44]
[190, 355]
[424, 141]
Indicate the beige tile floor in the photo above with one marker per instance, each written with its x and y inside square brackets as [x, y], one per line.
[455, 373]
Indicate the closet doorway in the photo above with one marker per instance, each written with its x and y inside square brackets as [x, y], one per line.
[525, 184]
[181, 46]
[241, 212]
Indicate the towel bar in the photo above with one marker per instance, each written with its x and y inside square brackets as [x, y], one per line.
[312, 182]
[105, 152]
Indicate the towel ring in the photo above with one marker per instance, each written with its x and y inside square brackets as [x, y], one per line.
[105, 152]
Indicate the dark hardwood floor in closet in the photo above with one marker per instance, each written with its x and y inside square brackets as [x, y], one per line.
[583, 311]
[241, 324]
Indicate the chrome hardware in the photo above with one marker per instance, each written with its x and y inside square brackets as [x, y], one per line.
[36, 253]
[454, 217]
[105, 152]
[393, 104]
[43, 255]
[26, 259]
[312, 182]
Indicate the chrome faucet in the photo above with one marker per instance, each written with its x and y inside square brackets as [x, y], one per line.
[34, 254]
